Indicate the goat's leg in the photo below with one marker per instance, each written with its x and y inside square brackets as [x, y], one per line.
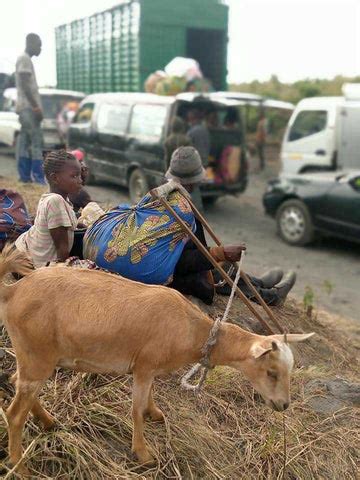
[37, 409]
[43, 415]
[141, 390]
[153, 410]
[16, 414]
[13, 378]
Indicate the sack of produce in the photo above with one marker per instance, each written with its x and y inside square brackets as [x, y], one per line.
[14, 218]
[152, 81]
[171, 86]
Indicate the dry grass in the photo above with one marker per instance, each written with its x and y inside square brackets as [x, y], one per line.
[224, 433]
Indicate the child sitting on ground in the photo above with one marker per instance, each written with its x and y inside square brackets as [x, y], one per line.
[52, 235]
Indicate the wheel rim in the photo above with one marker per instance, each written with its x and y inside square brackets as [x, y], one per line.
[138, 187]
[292, 224]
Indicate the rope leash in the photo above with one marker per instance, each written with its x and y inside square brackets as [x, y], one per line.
[204, 365]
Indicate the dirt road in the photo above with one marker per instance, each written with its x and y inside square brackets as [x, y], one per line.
[329, 268]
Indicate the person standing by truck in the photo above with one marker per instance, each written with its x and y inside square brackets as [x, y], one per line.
[261, 132]
[30, 141]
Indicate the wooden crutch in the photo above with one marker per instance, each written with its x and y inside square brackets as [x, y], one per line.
[211, 259]
[212, 234]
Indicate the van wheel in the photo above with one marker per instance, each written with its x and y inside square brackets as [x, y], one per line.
[138, 186]
[294, 223]
[209, 201]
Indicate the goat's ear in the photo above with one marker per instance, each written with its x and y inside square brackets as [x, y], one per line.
[259, 350]
[294, 337]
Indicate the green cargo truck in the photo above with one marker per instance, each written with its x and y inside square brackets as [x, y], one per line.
[116, 50]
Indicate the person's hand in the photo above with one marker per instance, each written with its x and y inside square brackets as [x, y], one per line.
[233, 253]
[39, 115]
[167, 188]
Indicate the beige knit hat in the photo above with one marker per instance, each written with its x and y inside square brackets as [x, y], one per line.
[185, 166]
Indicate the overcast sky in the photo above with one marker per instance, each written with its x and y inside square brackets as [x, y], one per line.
[290, 38]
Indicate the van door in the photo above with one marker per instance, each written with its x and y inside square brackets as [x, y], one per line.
[146, 138]
[309, 142]
[81, 133]
[111, 142]
[340, 209]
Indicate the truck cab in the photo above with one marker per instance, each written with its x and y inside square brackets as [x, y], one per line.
[323, 133]
[309, 142]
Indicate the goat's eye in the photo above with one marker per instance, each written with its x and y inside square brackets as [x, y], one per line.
[272, 374]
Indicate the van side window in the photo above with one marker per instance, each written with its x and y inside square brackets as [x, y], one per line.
[308, 123]
[84, 115]
[113, 119]
[148, 120]
[9, 105]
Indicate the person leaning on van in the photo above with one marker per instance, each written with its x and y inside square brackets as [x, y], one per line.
[28, 106]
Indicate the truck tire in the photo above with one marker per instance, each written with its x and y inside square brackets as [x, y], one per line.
[138, 186]
[294, 223]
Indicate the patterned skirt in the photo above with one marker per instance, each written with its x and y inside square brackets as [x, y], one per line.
[143, 242]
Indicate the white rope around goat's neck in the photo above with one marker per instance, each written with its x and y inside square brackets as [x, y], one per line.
[204, 364]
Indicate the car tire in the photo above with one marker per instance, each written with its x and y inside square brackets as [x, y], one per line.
[209, 201]
[294, 223]
[138, 186]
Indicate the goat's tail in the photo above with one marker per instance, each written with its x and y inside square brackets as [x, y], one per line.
[14, 261]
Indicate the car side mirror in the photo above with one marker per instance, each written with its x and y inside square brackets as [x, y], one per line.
[355, 183]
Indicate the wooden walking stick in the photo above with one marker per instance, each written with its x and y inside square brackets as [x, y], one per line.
[257, 295]
[208, 255]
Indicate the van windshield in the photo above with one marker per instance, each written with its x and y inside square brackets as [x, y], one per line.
[53, 104]
[308, 123]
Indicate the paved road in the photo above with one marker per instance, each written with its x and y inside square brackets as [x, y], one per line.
[331, 268]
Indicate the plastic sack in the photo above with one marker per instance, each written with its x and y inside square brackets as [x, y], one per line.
[187, 68]
[143, 242]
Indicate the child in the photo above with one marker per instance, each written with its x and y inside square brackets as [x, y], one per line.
[52, 235]
[81, 198]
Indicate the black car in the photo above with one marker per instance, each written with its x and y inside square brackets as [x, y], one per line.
[123, 137]
[307, 204]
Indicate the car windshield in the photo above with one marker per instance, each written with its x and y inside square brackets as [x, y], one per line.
[53, 104]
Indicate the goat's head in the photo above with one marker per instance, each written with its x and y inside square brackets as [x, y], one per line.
[269, 368]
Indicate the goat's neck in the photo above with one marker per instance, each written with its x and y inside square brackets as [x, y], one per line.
[232, 346]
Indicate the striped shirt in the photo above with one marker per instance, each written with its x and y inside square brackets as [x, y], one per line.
[53, 211]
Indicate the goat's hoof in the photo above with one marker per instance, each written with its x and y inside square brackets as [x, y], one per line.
[144, 457]
[157, 415]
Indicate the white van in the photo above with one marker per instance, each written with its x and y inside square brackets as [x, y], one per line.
[323, 134]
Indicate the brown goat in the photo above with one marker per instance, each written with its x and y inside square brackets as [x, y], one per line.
[91, 321]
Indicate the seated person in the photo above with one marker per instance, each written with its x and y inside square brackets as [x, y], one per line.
[145, 243]
[52, 236]
[191, 275]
